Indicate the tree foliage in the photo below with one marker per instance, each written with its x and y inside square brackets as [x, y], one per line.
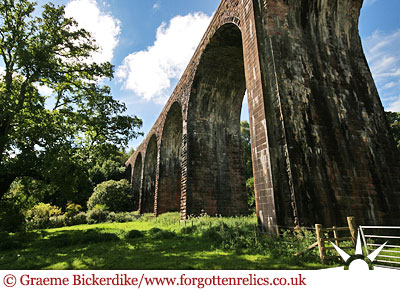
[115, 195]
[248, 165]
[246, 148]
[394, 122]
[109, 170]
[54, 137]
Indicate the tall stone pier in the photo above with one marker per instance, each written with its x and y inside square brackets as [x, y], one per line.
[322, 149]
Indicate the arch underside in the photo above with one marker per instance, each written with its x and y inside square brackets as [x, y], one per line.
[216, 180]
[137, 181]
[149, 177]
[169, 186]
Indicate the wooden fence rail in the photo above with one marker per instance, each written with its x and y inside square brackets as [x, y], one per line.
[332, 235]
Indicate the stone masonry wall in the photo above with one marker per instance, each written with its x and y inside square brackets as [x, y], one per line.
[321, 146]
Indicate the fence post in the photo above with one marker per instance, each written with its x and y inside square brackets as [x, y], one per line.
[277, 231]
[335, 235]
[318, 231]
[352, 227]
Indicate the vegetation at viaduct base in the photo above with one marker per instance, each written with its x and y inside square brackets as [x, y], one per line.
[158, 243]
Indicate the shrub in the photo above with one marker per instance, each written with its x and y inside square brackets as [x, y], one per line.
[123, 217]
[120, 217]
[79, 219]
[73, 238]
[11, 216]
[111, 217]
[39, 216]
[157, 233]
[133, 234]
[72, 209]
[97, 214]
[154, 231]
[93, 236]
[113, 194]
[57, 221]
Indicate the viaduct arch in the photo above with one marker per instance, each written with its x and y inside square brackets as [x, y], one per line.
[321, 146]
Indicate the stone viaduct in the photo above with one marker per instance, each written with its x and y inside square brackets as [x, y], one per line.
[321, 145]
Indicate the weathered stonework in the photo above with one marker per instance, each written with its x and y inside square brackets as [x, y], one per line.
[321, 146]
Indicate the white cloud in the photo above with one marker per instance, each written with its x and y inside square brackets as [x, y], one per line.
[151, 73]
[383, 55]
[389, 85]
[369, 2]
[104, 28]
[395, 106]
[157, 5]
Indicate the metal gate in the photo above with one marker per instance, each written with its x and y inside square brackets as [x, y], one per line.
[375, 236]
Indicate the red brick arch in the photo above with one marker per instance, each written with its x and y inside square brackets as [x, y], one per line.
[321, 146]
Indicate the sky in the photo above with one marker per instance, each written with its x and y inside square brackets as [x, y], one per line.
[150, 43]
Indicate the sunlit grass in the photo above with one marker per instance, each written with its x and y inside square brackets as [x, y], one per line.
[165, 243]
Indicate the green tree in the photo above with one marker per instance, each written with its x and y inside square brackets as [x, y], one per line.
[115, 195]
[248, 165]
[109, 170]
[394, 121]
[246, 148]
[52, 138]
[251, 199]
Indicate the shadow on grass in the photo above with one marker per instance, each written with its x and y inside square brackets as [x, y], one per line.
[155, 249]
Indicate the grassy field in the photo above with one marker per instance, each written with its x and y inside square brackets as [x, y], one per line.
[162, 243]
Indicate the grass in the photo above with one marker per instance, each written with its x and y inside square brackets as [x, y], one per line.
[162, 243]
[390, 253]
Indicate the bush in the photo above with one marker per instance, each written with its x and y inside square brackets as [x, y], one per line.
[120, 217]
[98, 237]
[73, 238]
[98, 214]
[11, 216]
[133, 234]
[57, 221]
[39, 216]
[71, 212]
[79, 219]
[72, 209]
[157, 233]
[113, 194]
[111, 217]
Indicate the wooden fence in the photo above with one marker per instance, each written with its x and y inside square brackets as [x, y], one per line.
[337, 235]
